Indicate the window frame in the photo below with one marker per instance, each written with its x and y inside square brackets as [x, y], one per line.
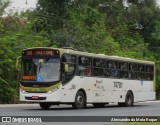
[124, 71]
[105, 67]
[102, 67]
[130, 71]
[109, 70]
[86, 66]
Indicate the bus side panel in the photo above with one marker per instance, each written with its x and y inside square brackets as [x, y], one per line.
[85, 83]
[142, 90]
[107, 89]
[98, 89]
[144, 96]
[69, 91]
[110, 92]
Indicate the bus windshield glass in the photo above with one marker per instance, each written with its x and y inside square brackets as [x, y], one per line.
[41, 70]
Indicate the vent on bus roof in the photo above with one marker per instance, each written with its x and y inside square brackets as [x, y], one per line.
[69, 48]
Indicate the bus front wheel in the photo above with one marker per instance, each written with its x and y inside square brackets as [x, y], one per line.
[45, 105]
[80, 100]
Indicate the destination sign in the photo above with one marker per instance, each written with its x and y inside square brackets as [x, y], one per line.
[40, 53]
[29, 77]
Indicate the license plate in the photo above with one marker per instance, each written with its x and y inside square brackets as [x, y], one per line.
[35, 97]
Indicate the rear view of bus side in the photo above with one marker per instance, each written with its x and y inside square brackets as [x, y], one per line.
[51, 76]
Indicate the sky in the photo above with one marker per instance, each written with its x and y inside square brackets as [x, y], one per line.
[158, 1]
[22, 4]
[26, 4]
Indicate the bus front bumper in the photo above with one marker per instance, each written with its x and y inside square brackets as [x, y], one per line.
[40, 97]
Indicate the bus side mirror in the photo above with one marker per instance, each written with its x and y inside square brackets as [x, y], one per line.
[66, 68]
[18, 63]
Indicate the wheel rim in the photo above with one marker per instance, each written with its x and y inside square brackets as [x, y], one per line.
[80, 100]
[129, 99]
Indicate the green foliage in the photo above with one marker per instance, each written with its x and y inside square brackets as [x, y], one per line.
[96, 26]
[3, 4]
[8, 94]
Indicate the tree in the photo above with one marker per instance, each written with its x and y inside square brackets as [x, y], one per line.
[8, 94]
[3, 5]
[96, 26]
[15, 35]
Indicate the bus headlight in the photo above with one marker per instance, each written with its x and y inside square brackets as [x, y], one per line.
[24, 92]
[51, 91]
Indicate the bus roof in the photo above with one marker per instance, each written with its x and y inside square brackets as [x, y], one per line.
[118, 58]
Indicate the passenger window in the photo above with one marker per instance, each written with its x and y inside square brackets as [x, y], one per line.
[123, 67]
[141, 72]
[149, 76]
[112, 64]
[132, 75]
[98, 63]
[141, 68]
[84, 68]
[141, 76]
[99, 67]
[132, 66]
[149, 69]
[132, 71]
[84, 61]
[149, 72]
[123, 74]
[99, 72]
[112, 69]
[69, 59]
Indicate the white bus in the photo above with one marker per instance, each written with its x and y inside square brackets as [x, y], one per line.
[52, 76]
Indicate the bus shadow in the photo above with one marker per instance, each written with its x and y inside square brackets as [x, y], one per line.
[59, 108]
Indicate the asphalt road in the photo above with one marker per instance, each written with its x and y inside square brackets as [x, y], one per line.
[151, 108]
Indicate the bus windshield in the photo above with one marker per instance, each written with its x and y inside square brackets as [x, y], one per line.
[41, 70]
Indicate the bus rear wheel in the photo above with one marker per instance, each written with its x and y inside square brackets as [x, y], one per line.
[128, 100]
[80, 101]
[45, 105]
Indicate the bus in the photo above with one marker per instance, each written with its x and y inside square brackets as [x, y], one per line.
[53, 76]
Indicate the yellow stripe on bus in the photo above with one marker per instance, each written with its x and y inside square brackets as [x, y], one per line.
[40, 89]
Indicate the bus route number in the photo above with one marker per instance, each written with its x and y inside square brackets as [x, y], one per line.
[118, 84]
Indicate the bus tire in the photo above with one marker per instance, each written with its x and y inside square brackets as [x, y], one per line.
[45, 105]
[99, 105]
[129, 99]
[80, 100]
